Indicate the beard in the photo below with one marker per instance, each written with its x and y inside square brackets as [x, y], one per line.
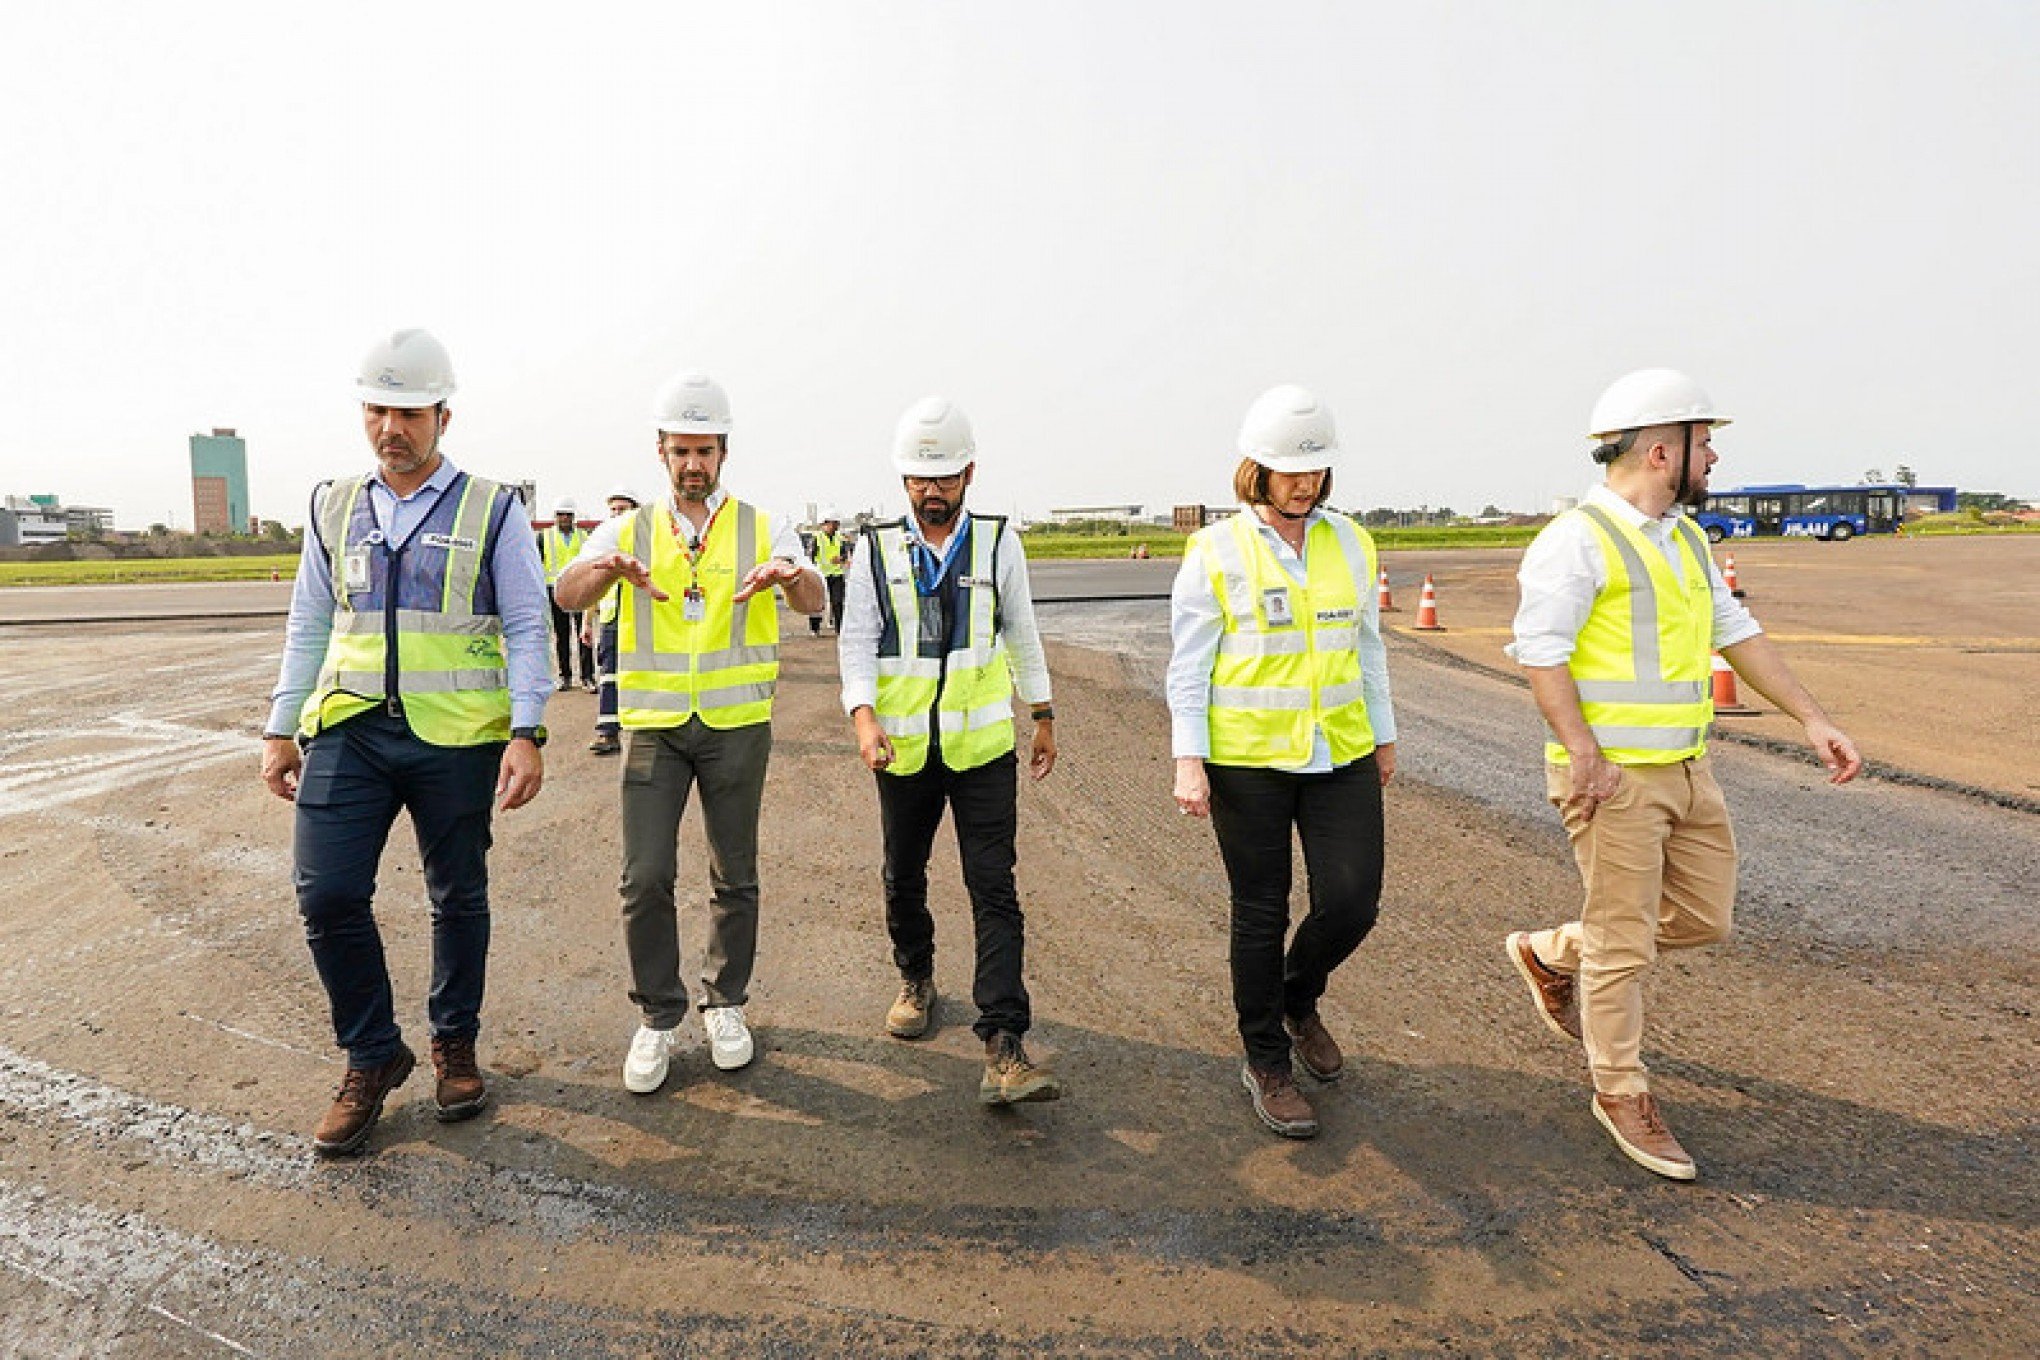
[689, 487]
[935, 511]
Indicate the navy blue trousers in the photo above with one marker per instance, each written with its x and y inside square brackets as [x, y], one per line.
[356, 778]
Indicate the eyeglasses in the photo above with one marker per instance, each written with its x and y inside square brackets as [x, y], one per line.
[949, 483]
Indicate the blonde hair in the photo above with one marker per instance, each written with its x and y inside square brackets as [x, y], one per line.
[1250, 484]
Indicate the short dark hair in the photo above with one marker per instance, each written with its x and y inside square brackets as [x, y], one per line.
[1250, 484]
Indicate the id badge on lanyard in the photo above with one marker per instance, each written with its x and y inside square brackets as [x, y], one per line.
[356, 569]
[1275, 604]
[693, 604]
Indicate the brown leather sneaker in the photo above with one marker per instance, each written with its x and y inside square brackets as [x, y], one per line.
[1010, 1078]
[1278, 1103]
[358, 1104]
[462, 1092]
[1315, 1047]
[910, 1015]
[1556, 994]
[1638, 1127]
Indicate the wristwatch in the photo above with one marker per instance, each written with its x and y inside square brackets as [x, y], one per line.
[535, 735]
[1045, 713]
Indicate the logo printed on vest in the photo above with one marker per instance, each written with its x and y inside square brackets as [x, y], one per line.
[448, 541]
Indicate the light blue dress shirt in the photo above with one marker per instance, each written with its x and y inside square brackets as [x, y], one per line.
[514, 569]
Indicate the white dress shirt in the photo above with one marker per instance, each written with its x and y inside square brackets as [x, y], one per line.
[862, 623]
[607, 537]
[1563, 571]
[1196, 624]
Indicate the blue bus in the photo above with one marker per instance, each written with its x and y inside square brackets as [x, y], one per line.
[1836, 513]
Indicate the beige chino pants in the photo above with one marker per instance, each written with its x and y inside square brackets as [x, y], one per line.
[1658, 862]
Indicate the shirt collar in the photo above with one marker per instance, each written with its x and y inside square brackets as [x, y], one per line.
[441, 478]
[714, 503]
[1615, 504]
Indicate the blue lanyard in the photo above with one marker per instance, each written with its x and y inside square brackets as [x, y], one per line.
[928, 568]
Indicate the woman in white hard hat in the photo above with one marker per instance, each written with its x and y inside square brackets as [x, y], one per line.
[1279, 699]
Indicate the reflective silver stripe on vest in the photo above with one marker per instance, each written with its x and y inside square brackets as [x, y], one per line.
[1641, 691]
[1232, 571]
[990, 715]
[470, 525]
[1284, 697]
[1263, 644]
[668, 702]
[639, 658]
[334, 512]
[1643, 601]
[1648, 738]
[683, 662]
[451, 682]
[354, 623]
[747, 553]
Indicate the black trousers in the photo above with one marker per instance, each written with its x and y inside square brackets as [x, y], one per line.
[567, 642]
[1337, 816]
[836, 585]
[984, 805]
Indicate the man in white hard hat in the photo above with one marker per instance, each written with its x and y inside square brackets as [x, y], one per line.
[598, 628]
[938, 632]
[1621, 611]
[558, 544]
[697, 664]
[832, 557]
[413, 679]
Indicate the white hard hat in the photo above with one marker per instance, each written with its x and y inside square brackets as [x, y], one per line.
[620, 492]
[691, 403]
[407, 369]
[828, 514]
[565, 506]
[1289, 430]
[933, 439]
[1651, 396]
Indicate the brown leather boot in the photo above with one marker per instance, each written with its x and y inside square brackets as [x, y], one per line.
[913, 1011]
[1011, 1077]
[358, 1104]
[1315, 1047]
[462, 1092]
[1556, 994]
[1277, 1101]
[1639, 1129]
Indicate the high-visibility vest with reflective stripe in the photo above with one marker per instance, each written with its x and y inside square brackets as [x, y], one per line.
[1275, 682]
[831, 552]
[605, 608]
[1643, 659]
[558, 550]
[969, 689]
[434, 599]
[721, 668]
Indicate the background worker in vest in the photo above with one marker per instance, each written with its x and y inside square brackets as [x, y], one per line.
[558, 544]
[697, 642]
[1621, 610]
[448, 723]
[938, 631]
[598, 627]
[832, 557]
[1281, 723]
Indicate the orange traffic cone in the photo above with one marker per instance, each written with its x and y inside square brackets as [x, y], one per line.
[1381, 595]
[1728, 577]
[1727, 704]
[1427, 609]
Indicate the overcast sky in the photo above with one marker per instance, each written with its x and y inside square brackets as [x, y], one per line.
[1102, 228]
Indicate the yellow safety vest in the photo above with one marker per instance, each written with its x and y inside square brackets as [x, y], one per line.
[721, 667]
[1289, 660]
[831, 553]
[451, 675]
[1643, 659]
[558, 550]
[969, 689]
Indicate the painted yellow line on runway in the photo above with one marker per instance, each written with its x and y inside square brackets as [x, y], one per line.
[1990, 644]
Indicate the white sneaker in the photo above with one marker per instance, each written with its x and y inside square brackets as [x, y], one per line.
[729, 1038]
[651, 1052]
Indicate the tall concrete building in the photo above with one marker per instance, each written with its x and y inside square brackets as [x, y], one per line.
[219, 483]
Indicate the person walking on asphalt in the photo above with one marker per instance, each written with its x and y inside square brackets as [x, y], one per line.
[1621, 610]
[414, 679]
[1281, 722]
[697, 663]
[558, 544]
[832, 556]
[937, 633]
[598, 627]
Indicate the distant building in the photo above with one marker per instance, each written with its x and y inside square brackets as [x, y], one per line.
[1188, 519]
[1117, 514]
[29, 521]
[219, 482]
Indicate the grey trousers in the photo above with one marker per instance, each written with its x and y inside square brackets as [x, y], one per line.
[660, 767]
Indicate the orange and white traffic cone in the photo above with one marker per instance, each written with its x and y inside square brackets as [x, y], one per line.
[1728, 577]
[1381, 595]
[1427, 609]
[1727, 704]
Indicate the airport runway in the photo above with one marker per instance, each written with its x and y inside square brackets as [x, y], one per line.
[1857, 1073]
